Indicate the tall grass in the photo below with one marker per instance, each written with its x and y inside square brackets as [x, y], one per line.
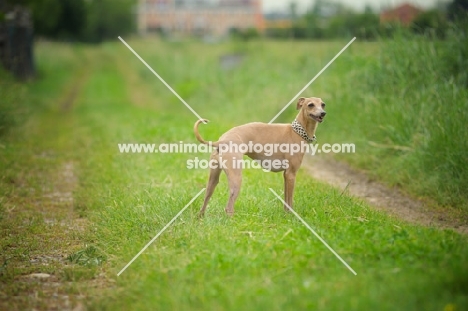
[409, 111]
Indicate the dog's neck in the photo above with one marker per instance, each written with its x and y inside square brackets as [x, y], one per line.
[307, 123]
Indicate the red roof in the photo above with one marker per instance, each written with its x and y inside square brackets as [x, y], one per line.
[404, 14]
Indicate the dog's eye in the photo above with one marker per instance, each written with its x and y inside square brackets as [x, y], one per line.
[310, 105]
[323, 105]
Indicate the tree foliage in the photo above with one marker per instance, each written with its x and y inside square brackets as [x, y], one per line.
[458, 9]
[330, 19]
[109, 19]
[431, 22]
[83, 20]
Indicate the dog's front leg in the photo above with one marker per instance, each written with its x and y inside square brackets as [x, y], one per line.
[233, 172]
[289, 181]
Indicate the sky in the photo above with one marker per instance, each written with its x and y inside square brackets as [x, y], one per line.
[303, 5]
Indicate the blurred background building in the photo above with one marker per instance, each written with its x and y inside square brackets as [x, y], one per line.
[404, 14]
[199, 17]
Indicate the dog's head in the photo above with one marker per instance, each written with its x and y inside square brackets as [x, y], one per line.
[312, 108]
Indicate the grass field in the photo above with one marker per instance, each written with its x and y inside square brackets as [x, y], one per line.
[89, 99]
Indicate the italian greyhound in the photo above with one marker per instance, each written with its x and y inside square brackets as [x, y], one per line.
[224, 159]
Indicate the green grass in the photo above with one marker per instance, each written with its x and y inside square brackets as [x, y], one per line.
[263, 258]
[406, 112]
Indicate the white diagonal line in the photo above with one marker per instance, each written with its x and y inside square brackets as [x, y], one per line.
[160, 232]
[313, 79]
[312, 230]
[162, 80]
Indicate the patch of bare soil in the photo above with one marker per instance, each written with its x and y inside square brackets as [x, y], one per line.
[37, 279]
[391, 200]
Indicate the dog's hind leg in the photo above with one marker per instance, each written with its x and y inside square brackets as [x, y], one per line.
[233, 172]
[213, 181]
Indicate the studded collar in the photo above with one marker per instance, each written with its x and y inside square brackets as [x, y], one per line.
[299, 129]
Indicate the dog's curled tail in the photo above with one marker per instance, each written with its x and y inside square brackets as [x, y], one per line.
[198, 136]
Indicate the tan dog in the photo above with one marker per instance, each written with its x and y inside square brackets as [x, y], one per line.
[225, 157]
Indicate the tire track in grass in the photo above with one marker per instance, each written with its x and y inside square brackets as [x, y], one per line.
[40, 230]
[43, 235]
[393, 201]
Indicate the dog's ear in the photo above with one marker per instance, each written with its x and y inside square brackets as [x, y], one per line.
[300, 102]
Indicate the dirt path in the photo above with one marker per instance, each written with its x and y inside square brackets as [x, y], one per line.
[35, 273]
[395, 202]
[42, 228]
